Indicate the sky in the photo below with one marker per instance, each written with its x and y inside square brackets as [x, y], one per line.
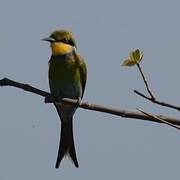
[107, 146]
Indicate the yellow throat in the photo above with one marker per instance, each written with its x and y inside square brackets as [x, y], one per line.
[60, 48]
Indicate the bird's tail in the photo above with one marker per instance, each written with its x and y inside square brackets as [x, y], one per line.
[66, 145]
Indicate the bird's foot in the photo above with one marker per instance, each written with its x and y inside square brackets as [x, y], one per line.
[49, 99]
[78, 103]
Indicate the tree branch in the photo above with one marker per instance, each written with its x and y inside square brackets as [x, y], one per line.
[85, 105]
[152, 97]
[161, 120]
[158, 102]
[145, 82]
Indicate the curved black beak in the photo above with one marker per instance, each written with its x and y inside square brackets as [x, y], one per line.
[49, 39]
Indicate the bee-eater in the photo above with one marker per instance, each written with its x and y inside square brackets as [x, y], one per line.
[67, 79]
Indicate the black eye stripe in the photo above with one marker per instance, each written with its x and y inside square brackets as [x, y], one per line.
[66, 41]
[62, 40]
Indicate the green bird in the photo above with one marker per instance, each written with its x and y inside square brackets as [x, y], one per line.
[67, 79]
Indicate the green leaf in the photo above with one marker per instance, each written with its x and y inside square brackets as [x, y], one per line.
[128, 62]
[136, 55]
[134, 58]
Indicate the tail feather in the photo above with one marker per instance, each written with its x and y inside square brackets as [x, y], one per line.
[66, 146]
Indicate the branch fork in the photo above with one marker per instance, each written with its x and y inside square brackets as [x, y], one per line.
[87, 105]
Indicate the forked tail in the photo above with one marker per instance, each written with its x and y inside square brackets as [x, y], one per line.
[66, 145]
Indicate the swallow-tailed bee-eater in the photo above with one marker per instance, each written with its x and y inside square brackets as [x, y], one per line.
[67, 79]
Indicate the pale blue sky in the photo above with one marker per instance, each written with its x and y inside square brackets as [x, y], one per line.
[108, 147]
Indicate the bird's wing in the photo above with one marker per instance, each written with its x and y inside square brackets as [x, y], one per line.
[83, 73]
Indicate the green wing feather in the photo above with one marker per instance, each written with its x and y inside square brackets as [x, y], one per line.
[83, 72]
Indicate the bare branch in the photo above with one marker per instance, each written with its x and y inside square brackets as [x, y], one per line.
[145, 82]
[94, 107]
[152, 97]
[161, 120]
[158, 102]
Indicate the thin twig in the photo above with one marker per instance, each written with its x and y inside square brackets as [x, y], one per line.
[157, 118]
[152, 97]
[94, 107]
[145, 81]
[158, 102]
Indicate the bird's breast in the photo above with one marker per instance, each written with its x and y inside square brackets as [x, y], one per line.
[64, 78]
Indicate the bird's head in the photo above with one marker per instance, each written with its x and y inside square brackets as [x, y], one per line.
[62, 42]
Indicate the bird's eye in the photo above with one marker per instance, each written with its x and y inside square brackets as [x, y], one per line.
[65, 40]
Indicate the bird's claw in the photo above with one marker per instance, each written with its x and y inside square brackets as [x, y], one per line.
[46, 99]
[78, 103]
[50, 99]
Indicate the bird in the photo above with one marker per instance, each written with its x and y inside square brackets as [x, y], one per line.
[67, 79]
